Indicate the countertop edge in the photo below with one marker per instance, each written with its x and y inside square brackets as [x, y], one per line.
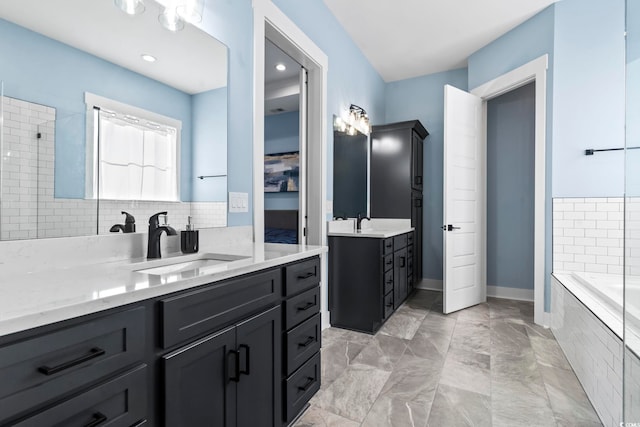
[67, 312]
[382, 234]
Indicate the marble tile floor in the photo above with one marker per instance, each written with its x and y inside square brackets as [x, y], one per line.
[488, 365]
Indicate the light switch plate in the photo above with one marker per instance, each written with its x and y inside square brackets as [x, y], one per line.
[238, 202]
[329, 206]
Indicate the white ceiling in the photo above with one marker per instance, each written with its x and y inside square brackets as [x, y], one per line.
[410, 38]
[189, 60]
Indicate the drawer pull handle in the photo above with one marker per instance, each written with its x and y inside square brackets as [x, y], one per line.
[306, 307]
[389, 262]
[247, 370]
[389, 282]
[98, 418]
[310, 381]
[306, 276]
[307, 342]
[236, 370]
[403, 261]
[93, 353]
[390, 304]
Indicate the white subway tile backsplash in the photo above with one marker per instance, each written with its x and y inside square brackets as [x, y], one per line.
[596, 227]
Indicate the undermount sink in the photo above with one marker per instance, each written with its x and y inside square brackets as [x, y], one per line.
[203, 262]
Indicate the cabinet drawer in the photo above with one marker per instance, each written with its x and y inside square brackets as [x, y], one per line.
[302, 276]
[302, 342]
[387, 246]
[388, 305]
[388, 262]
[301, 386]
[410, 238]
[40, 369]
[388, 281]
[399, 242]
[120, 402]
[301, 307]
[193, 314]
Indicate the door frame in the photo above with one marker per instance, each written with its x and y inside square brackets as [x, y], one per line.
[533, 71]
[271, 23]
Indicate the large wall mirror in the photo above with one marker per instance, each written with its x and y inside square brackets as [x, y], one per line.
[104, 112]
[350, 173]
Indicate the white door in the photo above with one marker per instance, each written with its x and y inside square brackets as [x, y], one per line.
[302, 177]
[463, 201]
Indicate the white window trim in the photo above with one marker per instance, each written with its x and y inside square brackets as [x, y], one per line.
[92, 100]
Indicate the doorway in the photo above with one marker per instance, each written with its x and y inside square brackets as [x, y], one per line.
[467, 257]
[510, 188]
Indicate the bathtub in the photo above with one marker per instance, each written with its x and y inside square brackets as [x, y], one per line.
[586, 319]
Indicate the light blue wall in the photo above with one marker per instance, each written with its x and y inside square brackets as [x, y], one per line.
[351, 78]
[281, 135]
[528, 41]
[209, 156]
[588, 98]
[231, 22]
[633, 99]
[35, 58]
[510, 188]
[422, 98]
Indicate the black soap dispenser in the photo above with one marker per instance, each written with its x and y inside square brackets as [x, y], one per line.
[189, 239]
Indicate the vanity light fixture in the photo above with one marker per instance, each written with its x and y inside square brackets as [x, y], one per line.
[356, 120]
[148, 58]
[281, 67]
[190, 10]
[170, 19]
[130, 7]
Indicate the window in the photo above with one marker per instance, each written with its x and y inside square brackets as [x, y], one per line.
[136, 153]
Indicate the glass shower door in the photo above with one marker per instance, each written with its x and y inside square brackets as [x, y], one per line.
[631, 370]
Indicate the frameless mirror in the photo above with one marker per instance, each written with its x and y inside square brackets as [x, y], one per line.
[350, 174]
[105, 112]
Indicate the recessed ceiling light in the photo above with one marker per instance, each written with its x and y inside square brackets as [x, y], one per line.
[281, 67]
[148, 58]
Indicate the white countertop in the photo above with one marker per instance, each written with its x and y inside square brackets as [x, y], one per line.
[29, 300]
[377, 228]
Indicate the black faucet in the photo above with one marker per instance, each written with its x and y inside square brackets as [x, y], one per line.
[155, 230]
[128, 227]
[359, 221]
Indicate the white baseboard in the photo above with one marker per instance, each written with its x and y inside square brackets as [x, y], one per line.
[510, 293]
[430, 285]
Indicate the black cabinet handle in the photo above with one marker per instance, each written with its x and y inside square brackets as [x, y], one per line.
[93, 353]
[307, 342]
[418, 179]
[236, 356]
[389, 262]
[308, 384]
[403, 261]
[306, 307]
[418, 203]
[390, 304]
[98, 418]
[389, 282]
[306, 276]
[247, 369]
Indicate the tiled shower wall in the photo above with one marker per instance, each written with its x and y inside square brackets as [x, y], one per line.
[28, 207]
[588, 234]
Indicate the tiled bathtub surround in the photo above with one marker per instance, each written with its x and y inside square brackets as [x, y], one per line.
[588, 234]
[593, 350]
[29, 209]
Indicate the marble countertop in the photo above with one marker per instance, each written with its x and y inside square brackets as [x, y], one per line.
[378, 228]
[32, 299]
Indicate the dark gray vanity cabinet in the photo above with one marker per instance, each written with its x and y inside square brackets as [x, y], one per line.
[230, 378]
[238, 352]
[397, 178]
[302, 336]
[368, 279]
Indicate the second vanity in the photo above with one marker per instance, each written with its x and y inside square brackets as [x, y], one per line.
[229, 343]
[370, 272]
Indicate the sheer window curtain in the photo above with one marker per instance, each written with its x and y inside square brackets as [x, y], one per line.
[137, 161]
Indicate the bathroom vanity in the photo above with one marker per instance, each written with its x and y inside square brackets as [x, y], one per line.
[370, 274]
[233, 343]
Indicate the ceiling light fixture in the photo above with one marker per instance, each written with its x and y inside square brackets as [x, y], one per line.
[130, 7]
[148, 58]
[281, 67]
